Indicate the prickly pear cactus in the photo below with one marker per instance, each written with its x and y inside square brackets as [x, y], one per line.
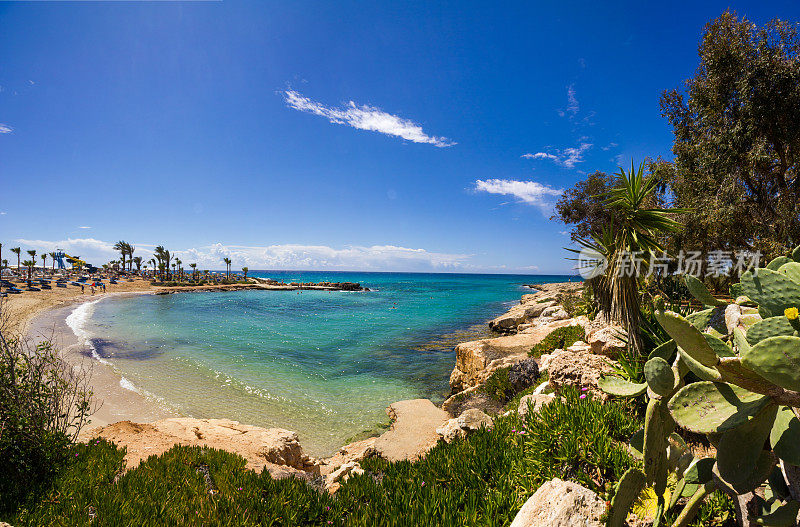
[746, 400]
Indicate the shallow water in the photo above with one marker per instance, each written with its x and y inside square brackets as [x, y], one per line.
[325, 364]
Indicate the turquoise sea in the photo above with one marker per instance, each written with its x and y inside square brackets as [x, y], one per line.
[325, 364]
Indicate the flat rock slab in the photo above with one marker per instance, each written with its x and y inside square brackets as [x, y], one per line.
[413, 431]
[275, 449]
[560, 503]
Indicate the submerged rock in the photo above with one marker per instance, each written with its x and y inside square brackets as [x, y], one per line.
[560, 503]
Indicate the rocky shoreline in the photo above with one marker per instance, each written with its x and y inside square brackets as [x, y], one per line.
[267, 285]
[417, 425]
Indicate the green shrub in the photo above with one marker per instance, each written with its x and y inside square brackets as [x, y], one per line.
[498, 386]
[560, 338]
[44, 402]
[481, 480]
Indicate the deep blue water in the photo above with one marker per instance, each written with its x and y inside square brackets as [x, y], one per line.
[325, 364]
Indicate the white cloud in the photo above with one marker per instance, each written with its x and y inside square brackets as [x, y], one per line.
[531, 192]
[365, 118]
[289, 256]
[567, 158]
[573, 107]
[5, 129]
[3, 213]
[84, 227]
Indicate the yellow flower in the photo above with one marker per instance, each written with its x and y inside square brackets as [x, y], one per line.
[791, 313]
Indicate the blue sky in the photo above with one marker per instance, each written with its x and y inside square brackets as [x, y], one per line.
[376, 136]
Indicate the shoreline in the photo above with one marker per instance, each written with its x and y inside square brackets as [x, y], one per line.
[121, 403]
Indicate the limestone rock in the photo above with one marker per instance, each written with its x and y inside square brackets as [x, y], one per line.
[607, 341]
[536, 402]
[733, 315]
[560, 503]
[581, 370]
[276, 449]
[473, 358]
[580, 347]
[519, 314]
[472, 397]
[555, 312]
[469, 421]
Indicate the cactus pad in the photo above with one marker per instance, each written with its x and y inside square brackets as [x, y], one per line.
[796, 254]
[740, 340]
[658, 425]
[763, 465]
[740, 447]
[659, 375]
[687, 337]
[776, 264]
[770, 327]
[780, 515]
[777, 359]
[705, 373]
[628, 489]
[707, 407]
[771, 290]
[699, 291]
[666, 351]
[719, 347]
[620, 387]
[792, 270]
[785, 436]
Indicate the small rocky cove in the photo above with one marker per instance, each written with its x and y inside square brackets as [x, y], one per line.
[417, 425]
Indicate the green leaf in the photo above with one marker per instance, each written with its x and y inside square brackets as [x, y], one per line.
[774, 292]
[785, 436]
[777, 359]
[687, 337]
[620, 387]
[699, 291]
[740, 447]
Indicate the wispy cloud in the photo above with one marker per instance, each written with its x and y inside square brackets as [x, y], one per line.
[530, 192]
[573, 107]
[5, 129]
[365, 117]
[289, 256]
[84, 227]
[567, 157]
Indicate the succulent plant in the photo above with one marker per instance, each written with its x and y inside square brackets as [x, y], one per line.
[746, 400]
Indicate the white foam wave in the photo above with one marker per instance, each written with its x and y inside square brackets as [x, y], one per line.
[128, 385]
[77, 321]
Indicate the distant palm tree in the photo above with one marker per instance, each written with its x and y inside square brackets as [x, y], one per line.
[178, 263]
[32, 254]
[44, 263]
[16, 250]
[244, 270]
[227, 267]
[1, 255]
[194, 270]
[122, 247]
[130, 249]
[29, 264]
[5, 264]
[138, 261]
[53, 260]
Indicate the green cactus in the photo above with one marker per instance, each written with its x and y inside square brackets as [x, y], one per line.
[627, 490]
[776, 264]
[666, 351]
[776, 359]
[785, 436]
[699, 291]
[739, 449]
[770, 327]
[660, 377]
[740, 340]
[791, 269]
[780, 514]
[744, 483]
[702, 372]
[687, 337]
[774, 292]
[719, 347]
[658, 426]
[796, 254]
[708, 407]
[620, 387]
[713, 317]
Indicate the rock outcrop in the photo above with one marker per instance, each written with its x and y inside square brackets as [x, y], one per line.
[534, 402]
[476, 360]
[466, 423]
[581, 370]
[560, 503]
[606, 341]
[413, 430]
[275, 449]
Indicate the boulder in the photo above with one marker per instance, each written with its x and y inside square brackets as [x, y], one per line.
[523, 374]
[607, 341]
[472, 397]
[536, 401]
[342, 474]
[580, 347]
[474, 357]
[581, 370]
[519, 314]
[560, 503]
[733, 315]
[555, 313]
[468, 422]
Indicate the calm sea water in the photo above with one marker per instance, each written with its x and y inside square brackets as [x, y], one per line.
[325, 364]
